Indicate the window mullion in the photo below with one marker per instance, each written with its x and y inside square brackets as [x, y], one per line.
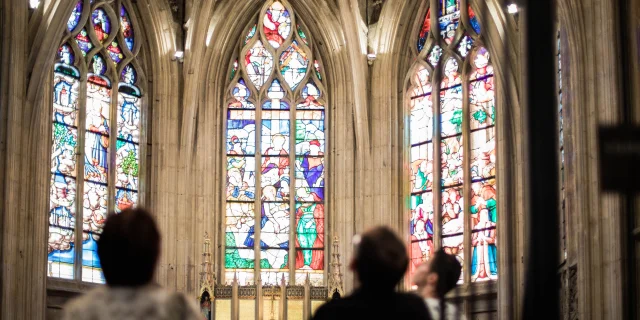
[466, 165]
[80, 152]
[292, 193]
[257, 211]
[113, 138]
[437, 161]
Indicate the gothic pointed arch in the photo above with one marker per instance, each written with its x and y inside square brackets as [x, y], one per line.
[275, 154]
[452, 142]
[96, 133]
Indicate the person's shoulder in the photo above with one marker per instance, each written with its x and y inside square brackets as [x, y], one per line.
[86, 302]
[408, 297]
[334, 308]
[411, 303]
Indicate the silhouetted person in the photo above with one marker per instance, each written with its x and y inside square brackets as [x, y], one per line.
[435, 278]
[380, 262]
[128, 248]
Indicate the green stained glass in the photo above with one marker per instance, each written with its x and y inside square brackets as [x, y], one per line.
[234, 261]
[302, 35]
[480, 116]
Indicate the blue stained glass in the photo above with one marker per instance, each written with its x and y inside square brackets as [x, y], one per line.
[241, 93]
[241, 128]
[475, 24]
[91, 271]
[424, 31]
[310, 179]
[449, 19]
[96, 165]
[115, 52]
[127, 28]
[90, 252]
[61, 253]
[82, 39]
[276, 91]
[129, 75]
[74, 18]
[101, 24]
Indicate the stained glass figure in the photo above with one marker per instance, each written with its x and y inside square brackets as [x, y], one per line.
[241, 178]
[74, 18]
[115, 52]
[259, 64]
[434, 55]
[101, 24]
[424, 31]
[98, 66]
[452, 161]
[65, 55]
[421, 228]
[451, 117]
[465, 46]
[293, 65]
[129, 75]
[277, 24]
[449, 19]
[127, 28]
[484, 260]
[82, 39]
[252, 32]
[310, 94]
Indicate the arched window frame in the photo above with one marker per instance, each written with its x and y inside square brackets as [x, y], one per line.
[294, 98]
[428, 45]
[123, 131]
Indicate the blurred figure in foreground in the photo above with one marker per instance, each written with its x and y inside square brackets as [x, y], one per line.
[380, 262]
[435, 278]
[128, 249]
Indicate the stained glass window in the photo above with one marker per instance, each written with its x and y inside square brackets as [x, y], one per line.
[81, 157]
[452, 122]
[275, 137]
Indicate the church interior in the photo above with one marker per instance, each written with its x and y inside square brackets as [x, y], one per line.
[186, 108]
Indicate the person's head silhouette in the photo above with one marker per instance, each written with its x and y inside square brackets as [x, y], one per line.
[380, 259]
[128, 248]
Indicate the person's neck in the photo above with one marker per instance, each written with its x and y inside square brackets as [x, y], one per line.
[428, 292]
